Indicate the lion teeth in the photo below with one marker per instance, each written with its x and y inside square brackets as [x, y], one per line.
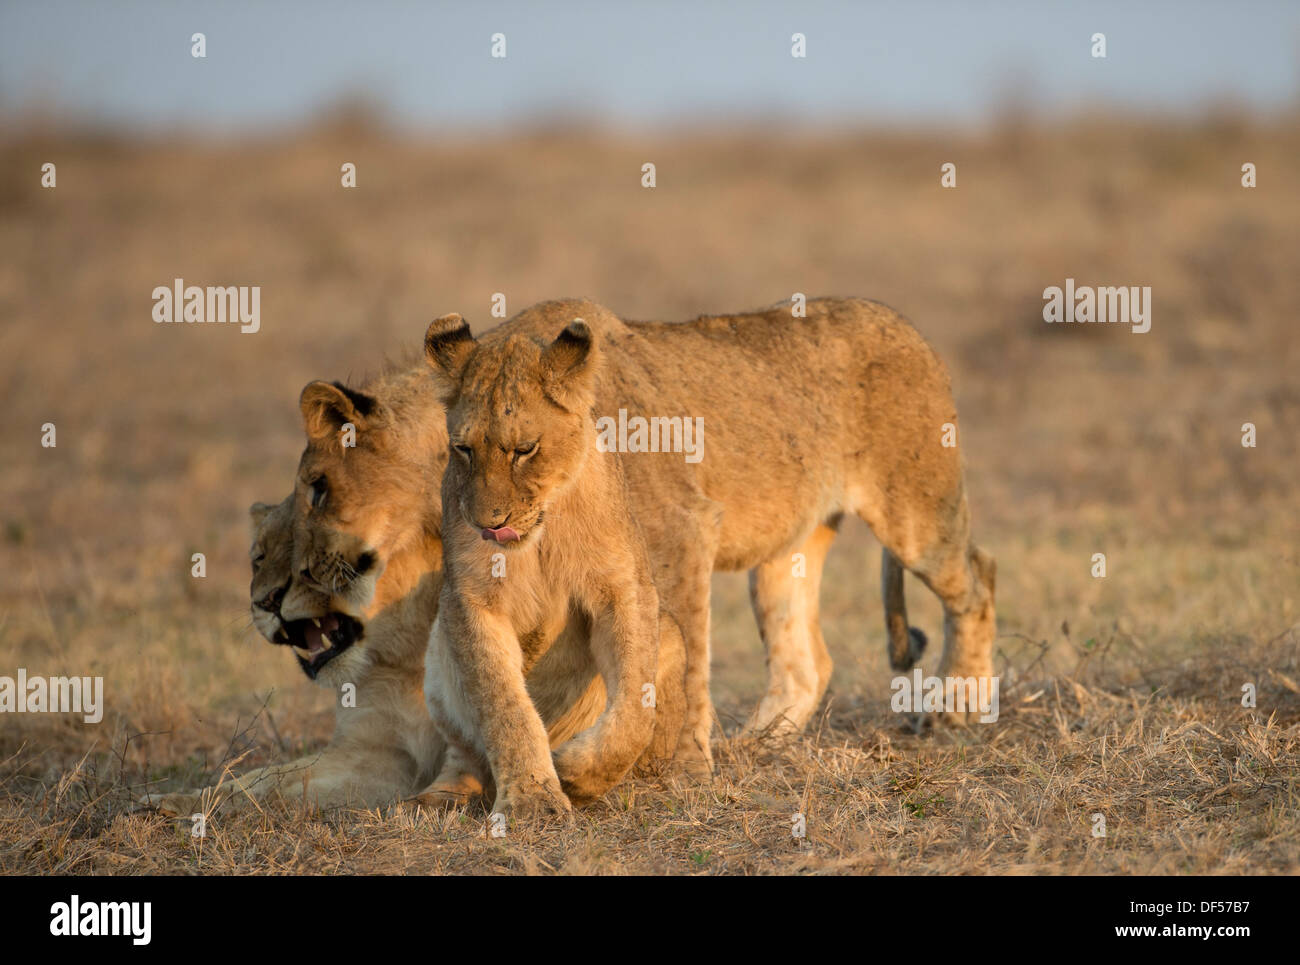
[325, 639]
[316, 621]
[282, 633]
[302, 652]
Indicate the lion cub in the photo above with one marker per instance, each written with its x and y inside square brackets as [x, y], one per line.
[536, 528]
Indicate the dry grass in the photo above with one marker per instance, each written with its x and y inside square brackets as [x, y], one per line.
[1187, 784]
[1121, 696]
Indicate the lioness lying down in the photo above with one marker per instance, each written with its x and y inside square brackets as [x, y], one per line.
[385, 747]
[384, 743]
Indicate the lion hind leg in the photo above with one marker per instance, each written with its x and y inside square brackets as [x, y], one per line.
[962, 576]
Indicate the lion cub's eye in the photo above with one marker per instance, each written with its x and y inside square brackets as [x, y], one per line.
[523, 452]
[258, 558]
[465, 452]
[319, 490]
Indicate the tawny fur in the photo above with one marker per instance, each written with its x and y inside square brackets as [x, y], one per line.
[805, 419]
[385, 749]
[519, 420]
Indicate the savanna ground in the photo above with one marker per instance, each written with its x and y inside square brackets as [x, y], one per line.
[1121, 696]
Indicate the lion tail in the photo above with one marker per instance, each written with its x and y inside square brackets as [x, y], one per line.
[905, 643]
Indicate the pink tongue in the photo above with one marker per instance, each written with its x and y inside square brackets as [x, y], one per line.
[502, 534]
[311, 635]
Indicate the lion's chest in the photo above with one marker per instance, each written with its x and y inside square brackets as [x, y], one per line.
[536, 599]
[537, 611]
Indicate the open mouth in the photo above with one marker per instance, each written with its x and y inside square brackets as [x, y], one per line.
[318, 640]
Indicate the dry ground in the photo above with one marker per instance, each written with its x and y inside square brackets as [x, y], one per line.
[1122, 696]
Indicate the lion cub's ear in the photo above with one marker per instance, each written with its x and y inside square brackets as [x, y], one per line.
[328, 406]
[569, 367]
[448, 344]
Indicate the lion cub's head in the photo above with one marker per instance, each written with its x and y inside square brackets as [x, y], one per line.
[518, 414]
[367, 488]
[325, 640]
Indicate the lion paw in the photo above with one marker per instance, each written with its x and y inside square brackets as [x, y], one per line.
[176, 804]
[439, 797]
[527, 805]
[968, 699]
[693, 766]
[694, 757]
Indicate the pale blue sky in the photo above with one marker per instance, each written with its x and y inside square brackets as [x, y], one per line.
[636, 63]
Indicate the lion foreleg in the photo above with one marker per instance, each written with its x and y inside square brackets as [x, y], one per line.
[625, 643]
[477, 695]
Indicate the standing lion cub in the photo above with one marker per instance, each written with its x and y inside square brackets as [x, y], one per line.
[536, 527]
